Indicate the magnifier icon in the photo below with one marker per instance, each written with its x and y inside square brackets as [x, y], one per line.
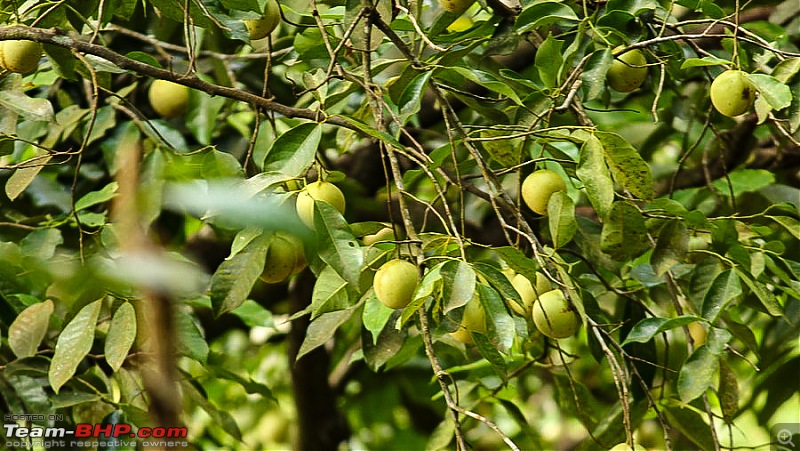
[785, 437]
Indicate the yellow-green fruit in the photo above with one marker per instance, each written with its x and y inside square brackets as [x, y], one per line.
[528, 292]
[456, 6]
[300, 253]
[261, 28]
[21, 57]
[395, 283]
[168, 99]
[319, 190]
[553, 315]
[626, 447]
[732, 93]
[698, 333]
[539, 186]
[281, 259]
[462, 23]
[628, 71]
[473, 320]
[384, 234]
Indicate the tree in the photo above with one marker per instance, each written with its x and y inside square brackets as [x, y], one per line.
[136, 234]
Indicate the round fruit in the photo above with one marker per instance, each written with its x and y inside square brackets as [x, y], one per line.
[628, 71]
[261, 28]
[553, 315]
[384, 234]
[281, 258]
[626, 447]
[456, 6]
[539, 186]
[396, 282]
[698, 333]
[528, 292]
[732, 93]
[473, 320]
[300, 252]
[320, 190]
[21, 57]
[168, 99]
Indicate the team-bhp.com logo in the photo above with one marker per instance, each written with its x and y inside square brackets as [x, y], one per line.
[86, 435]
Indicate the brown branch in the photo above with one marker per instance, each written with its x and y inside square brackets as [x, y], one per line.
[57, 38]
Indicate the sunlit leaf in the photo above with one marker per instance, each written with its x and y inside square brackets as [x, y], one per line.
[458, 286]
[648, 328]
[561, 219]
[26, 332]
[121, 335]
[724, 290]
[74, 342]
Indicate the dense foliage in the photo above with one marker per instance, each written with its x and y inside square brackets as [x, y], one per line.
[139, 225]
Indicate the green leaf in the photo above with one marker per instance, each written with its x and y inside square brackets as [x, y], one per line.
[518, 261]
[233, 280]
[704, 62]
[500, 282]
[488, 81]
[561, 219]
[375, 316]
[490, 353]
[329, 294]
[254, 314]
[23, 177]
[219, 417]
[499, 324]
[723, 291]
[441, 437]
[543, 14]
[549, 61]
[776, 94]
[671, 246]
[386, 346]
[767, 298]
[191, 342]
[648, 328]
[594, 174]
[690, 423]
[697, 374]
[372, 131]
[338, 246]
[411, 98]
[728, 391]
[322, 329]
[33, 109]
[97, 197]
[121, 335]
[41, 244]
[73, 344]
[745, 180]
[627, 166]
[28, 329]
[293, 151]
[790, 224]
[203, 115]
[506, 151]
[624, 233]
[458, 286]
[594, 74]
[250, 386]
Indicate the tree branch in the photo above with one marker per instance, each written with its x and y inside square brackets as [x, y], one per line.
[58, 38]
